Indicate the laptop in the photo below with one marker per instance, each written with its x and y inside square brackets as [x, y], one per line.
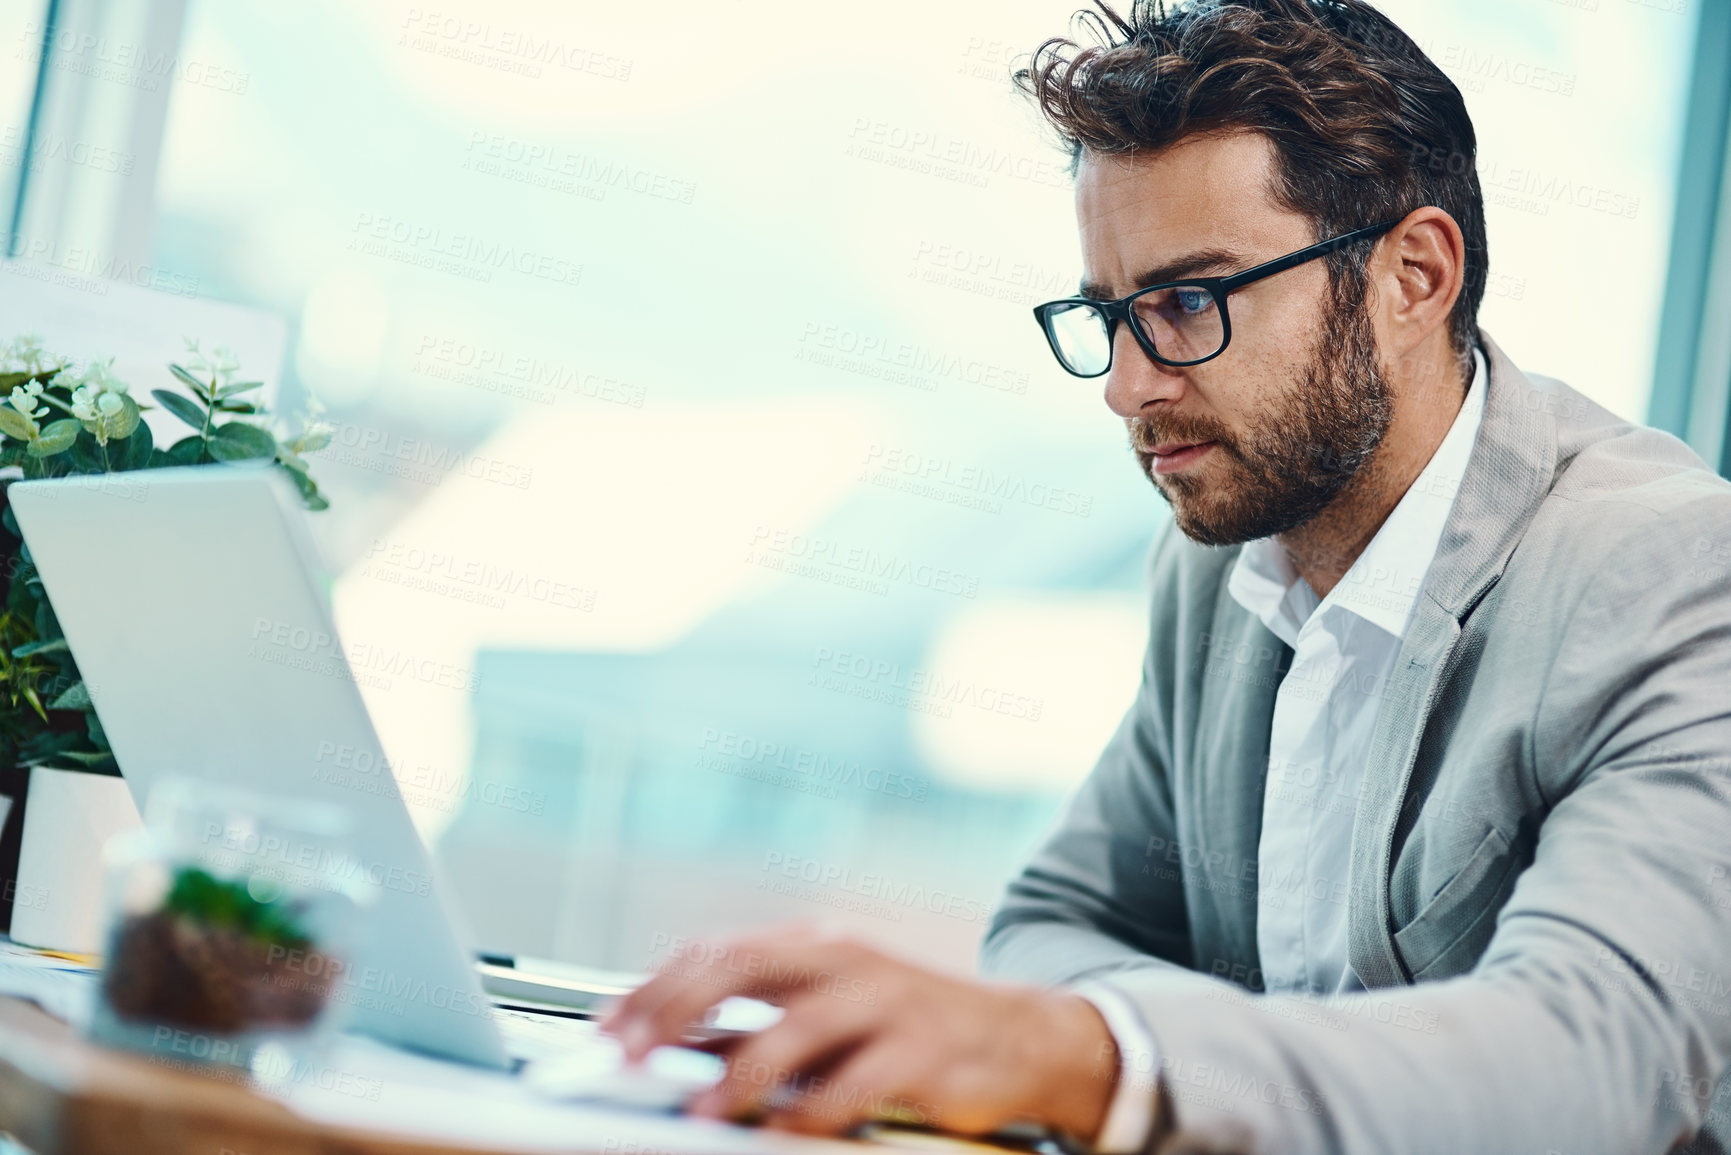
[190, 600]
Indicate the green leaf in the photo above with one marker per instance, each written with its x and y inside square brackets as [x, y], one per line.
[35, 701]
[237, 407]
[66, 749]
[74, 697]
[200, 896]
[310, 495]
[13, 423]
[238, 441]
[314, 441]
[56, 438]
[93, 727]
[237, 387]
[11, 381]
[47, 625]
[95, 760]
[86, 456]
[191, 382]
[12, 453]
[46, 646]
[180, 407]
[44, 745]
[122, 424]
[186, 451]
[134, 451]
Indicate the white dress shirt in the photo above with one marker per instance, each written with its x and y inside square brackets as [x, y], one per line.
[1344, 647]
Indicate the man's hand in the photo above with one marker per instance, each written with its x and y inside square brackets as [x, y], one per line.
[865, 1036]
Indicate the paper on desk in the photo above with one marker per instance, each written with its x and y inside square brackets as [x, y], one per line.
[65, 990]
[367, 1084]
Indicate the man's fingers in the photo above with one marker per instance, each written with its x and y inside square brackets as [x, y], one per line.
[874, 1082]
[786, 1056]
[660, 1010]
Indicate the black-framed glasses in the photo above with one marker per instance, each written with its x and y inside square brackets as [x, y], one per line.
[1179, 323]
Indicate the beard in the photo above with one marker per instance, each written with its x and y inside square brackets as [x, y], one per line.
[1302, 449]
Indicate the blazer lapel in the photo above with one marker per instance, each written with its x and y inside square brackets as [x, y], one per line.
[1512, 466]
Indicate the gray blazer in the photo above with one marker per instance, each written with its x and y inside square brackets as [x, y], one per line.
[1540, 889]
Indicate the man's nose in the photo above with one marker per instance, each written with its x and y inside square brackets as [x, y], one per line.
[1136, 380]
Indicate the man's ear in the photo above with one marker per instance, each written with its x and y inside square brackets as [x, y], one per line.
[1419, 270]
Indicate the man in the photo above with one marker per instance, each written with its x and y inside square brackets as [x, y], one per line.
[1418, 835]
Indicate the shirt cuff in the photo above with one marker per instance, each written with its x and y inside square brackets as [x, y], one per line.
[1133, 1111]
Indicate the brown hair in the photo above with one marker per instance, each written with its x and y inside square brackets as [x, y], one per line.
[1365, 127]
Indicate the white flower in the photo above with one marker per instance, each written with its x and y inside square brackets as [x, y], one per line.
[84, 403]
[27, 351]
[91, 402]
[219, 362]
[100, 374]
[96, 407]
[23, 398]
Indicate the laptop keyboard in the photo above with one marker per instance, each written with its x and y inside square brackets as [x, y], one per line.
[530, 1036]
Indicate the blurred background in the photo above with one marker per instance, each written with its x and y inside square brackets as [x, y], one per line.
[686, 398]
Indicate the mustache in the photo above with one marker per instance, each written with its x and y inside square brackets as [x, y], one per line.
[1147, 432]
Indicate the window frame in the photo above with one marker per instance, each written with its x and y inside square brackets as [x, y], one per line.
[1691, 394]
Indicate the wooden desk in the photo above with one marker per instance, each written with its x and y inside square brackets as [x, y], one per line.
[61, 1095]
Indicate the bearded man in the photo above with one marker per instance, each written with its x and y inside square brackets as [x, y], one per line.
[1418, 834]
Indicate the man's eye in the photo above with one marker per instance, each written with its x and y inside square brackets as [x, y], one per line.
[1193, 301]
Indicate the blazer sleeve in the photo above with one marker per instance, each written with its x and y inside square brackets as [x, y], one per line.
[1599, 1018]
[1094, 898]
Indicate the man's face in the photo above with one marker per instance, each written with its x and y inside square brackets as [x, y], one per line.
[1261, 439]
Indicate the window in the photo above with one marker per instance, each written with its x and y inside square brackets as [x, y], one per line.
[725, 543]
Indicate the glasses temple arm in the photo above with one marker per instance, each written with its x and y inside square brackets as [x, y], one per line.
[1302, 256]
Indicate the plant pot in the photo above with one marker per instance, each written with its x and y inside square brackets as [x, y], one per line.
[68, 817]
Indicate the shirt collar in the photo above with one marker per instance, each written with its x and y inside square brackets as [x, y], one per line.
[1384, 582]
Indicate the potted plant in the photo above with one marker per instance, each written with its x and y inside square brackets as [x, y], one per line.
[216, 956]
[58, 420]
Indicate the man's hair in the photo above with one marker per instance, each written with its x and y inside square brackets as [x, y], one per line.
[1365, 127]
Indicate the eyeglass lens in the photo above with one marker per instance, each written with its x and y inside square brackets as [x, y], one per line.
[1182, 322]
